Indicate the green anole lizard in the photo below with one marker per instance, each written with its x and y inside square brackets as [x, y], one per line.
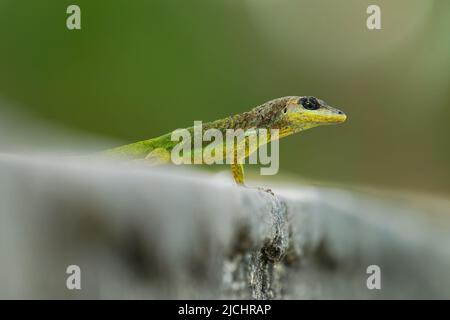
[289, 115]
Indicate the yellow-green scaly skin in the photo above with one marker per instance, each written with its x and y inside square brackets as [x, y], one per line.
[289, 115]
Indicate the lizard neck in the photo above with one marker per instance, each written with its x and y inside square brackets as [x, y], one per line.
[263, 116]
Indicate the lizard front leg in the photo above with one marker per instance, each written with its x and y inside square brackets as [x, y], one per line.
[238, 174]
[237, 170]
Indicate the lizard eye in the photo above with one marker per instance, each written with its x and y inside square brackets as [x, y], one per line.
[309, 103]
[284, 109]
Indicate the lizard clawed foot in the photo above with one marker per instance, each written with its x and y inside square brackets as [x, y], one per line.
[261, 189]
[265, 190]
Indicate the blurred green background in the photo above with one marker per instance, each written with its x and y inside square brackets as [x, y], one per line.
[138, 69]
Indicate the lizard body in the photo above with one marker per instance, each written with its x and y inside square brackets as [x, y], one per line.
[289, 115]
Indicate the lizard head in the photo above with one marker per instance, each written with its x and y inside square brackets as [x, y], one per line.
[311, 110]
[301, 113]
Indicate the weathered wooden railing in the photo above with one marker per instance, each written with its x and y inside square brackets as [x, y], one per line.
[136, 232]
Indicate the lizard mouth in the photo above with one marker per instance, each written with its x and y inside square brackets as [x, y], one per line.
[332, 116]
[338, 118]
[323, 118]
